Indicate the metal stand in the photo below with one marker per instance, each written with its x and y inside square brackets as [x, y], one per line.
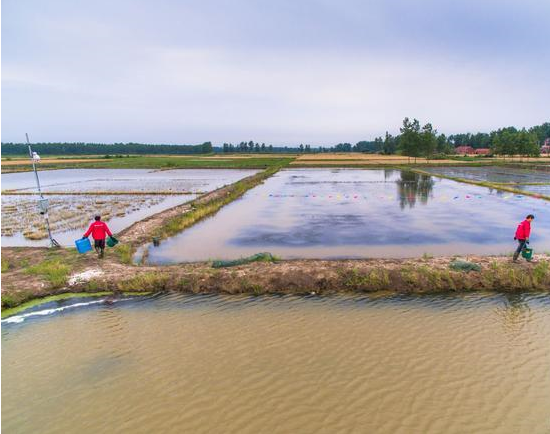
[43, 203]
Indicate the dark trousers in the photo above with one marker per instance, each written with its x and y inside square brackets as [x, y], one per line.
[521, 246]
[99, 247]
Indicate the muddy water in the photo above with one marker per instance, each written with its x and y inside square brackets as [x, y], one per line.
[477, 363]
[347, 213]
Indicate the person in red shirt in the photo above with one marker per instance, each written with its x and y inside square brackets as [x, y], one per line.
[522, 234]
[99, 231]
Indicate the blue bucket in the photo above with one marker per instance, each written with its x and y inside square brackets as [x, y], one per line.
[83, 245]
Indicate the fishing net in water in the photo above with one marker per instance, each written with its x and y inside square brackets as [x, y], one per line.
[258, 257]
[459, 265]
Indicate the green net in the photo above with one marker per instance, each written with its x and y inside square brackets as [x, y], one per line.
[258, 257]
[459, 265]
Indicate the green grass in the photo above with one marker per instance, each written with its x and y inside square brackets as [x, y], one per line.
[55, 271]
[9, 311]
[5, 265]
[124, 252]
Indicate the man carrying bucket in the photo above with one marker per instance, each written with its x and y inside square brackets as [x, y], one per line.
[522, 235]
[99, 231]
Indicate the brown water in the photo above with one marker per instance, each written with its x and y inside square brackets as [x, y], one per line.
[477, 363]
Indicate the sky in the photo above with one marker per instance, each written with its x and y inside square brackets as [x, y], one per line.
[283, 72]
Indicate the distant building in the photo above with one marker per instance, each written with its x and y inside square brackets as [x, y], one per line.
[483, 151]
[545, 149]
[464, 150]
[547, 142]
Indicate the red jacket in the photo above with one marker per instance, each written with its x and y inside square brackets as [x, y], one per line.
[523, 230]
[98, 230]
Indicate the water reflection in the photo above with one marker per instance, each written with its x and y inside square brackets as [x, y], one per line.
[412, 186]
[514, 313]
[320, 213]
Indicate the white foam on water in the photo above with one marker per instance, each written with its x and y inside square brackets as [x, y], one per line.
[22, 317]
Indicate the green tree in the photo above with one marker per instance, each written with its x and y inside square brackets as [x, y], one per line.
[428, 141]
[410, 141]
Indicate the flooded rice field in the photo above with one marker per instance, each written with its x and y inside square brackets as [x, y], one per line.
[70, 216]
[343, 213]
[124, 180]
[125, 196]
[523, 179]
[178, 363]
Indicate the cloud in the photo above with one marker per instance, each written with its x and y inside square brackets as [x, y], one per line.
[315, 72]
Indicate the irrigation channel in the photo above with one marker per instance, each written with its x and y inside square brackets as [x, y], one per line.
[181, 363]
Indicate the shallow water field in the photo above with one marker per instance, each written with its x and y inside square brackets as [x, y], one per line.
[70, 214]
[521, 178]
[124, 180]
[177, 363]
[347, 213]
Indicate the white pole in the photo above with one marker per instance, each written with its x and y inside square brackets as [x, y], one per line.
[53, 242]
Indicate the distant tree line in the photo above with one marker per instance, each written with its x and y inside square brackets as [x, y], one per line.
[486, 140]
[104, 149]
[252, 147]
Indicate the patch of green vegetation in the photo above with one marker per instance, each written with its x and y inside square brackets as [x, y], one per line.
[541, 272]
[125, 253]
[148, 281]
[258, 257]
[8, 310]
[169, 162]
[371, 280]
[18, 308]
[5, 265]
[54, 271]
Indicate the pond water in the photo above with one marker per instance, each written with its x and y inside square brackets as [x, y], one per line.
[499, 175]
[347, 213]
[70, 214]
[136, 180]
[177, 363]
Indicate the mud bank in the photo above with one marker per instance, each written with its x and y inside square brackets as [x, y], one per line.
[422, 275]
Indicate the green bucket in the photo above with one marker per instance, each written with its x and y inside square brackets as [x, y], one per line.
[112, 241]
[527, 253]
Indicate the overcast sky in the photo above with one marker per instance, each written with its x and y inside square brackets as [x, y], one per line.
[274, 71]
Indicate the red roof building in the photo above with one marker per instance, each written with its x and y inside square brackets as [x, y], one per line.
[483, 151]
[545, 149]
[464, 150]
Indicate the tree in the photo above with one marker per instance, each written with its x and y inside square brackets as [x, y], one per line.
[410, 141]
[389, 147]
[443, 145]
[263, 147]
[428, 141]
